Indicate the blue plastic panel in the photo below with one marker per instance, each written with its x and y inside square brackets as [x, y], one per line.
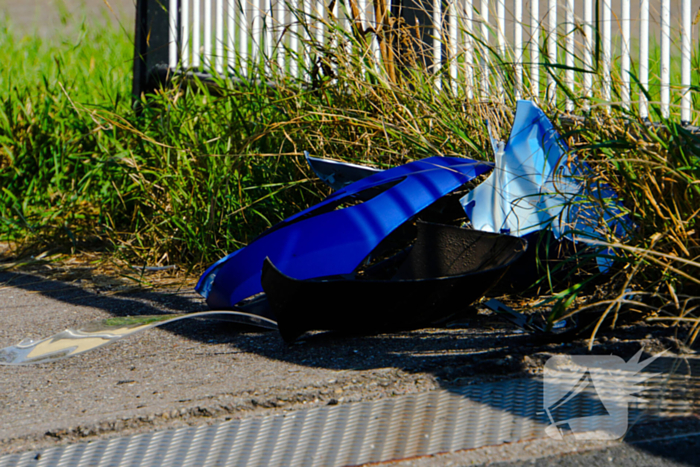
[324, 240]
[538, 183]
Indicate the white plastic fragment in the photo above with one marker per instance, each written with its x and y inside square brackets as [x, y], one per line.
[539, 184]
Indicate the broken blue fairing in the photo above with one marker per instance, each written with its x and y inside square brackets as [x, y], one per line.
[538, 184]
[326, 240]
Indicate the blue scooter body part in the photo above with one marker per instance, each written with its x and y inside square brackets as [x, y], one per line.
[324, 241]
[538, 184]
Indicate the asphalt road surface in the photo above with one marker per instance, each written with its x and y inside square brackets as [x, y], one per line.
[199, 372]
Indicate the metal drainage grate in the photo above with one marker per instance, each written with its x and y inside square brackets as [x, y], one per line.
[349, 434]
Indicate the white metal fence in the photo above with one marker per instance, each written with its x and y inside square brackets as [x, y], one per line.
[610, 50]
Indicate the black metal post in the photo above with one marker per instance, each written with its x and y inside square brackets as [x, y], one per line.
[416, 20]
[151, 57]
[417, 16]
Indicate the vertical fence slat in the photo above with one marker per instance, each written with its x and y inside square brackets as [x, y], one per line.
[320, 26]
[518, 47]
[279, 20]
[335, 23]
[220, 36]
[437, 42]
[207, 33]
[231, 53]
[268, 40]
[665, 56]
[259, 31]
[185, 33]
[469, 48]
[255, 29]
[686, 53]
[643, 57]
[483, 50]
[625, 45]
[307, 38]
[194, 40]
[552, 49]
[607, 48]
[172, 34]
[196, 33]
[374, 40]
[243, 32]
[570, 37]
[588, 48]
[362, 5]
[501, 10]
[535, 48]
[295, 43]
[453, 56]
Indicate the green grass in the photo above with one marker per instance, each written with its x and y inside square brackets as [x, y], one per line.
[176, 184]
[50, 144]
[197, 175]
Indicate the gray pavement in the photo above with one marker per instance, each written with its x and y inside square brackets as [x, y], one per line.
[192, 372]
[201, 372]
